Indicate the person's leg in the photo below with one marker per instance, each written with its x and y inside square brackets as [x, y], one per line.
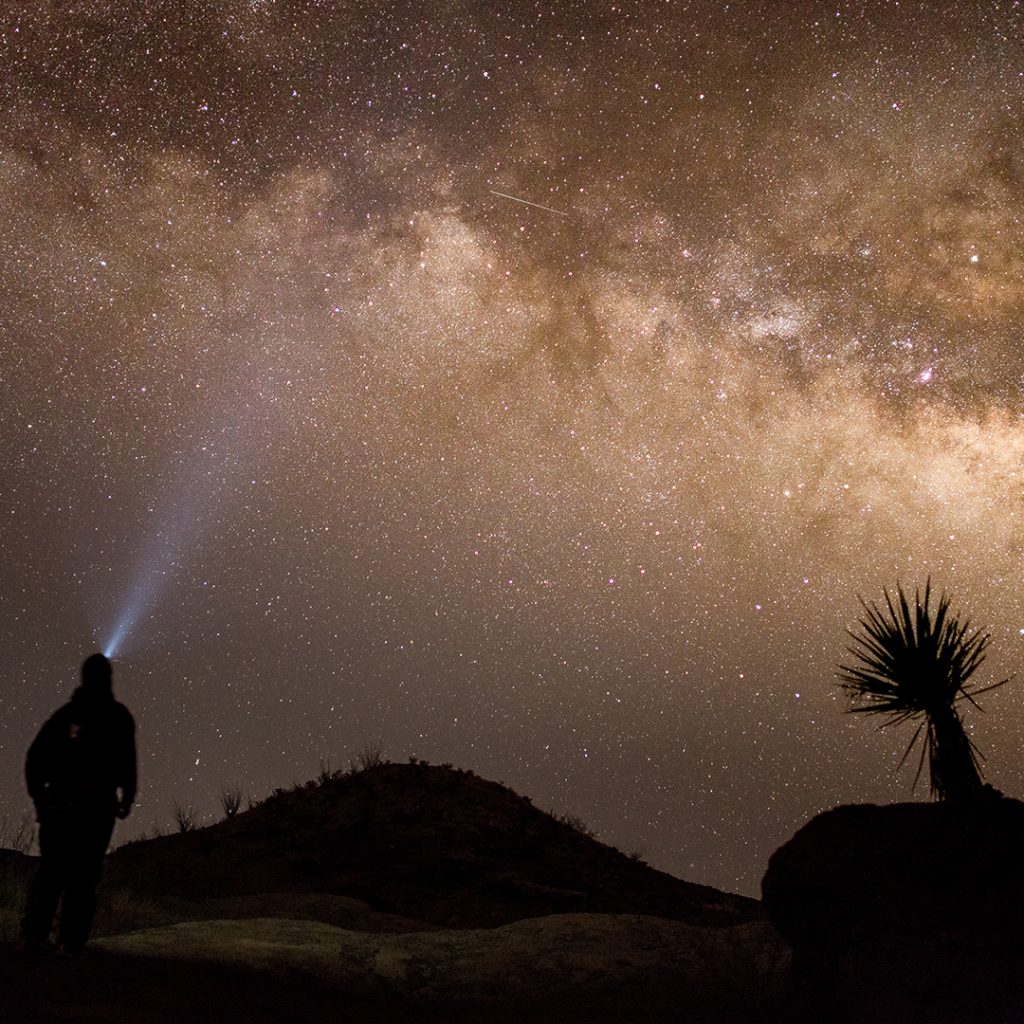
[45, 891]
[79, 906]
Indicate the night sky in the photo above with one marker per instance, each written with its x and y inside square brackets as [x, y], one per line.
[336, 445]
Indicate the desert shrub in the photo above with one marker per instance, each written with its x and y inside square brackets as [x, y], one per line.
[18, 834]
[371, 756]
[231, 800]
[185, 818]
[577, 824]
[326, 772]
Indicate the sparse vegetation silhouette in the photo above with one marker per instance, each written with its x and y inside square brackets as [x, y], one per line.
[18, 834]
[326, 772]
[231, 800]
[371, 756]
[915, 664]
[185, 818]
[576, 823]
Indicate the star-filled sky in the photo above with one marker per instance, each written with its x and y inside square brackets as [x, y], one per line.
[337, 438]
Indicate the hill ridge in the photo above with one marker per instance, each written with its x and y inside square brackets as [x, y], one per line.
[434, 844]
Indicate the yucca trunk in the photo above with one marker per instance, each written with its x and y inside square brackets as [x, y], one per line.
[954, 769]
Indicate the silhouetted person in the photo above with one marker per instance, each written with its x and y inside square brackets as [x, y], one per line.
[80, 772]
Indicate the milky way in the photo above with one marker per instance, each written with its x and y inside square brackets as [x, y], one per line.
[532, 387]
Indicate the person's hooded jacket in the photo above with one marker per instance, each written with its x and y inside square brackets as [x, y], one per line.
[83, 756]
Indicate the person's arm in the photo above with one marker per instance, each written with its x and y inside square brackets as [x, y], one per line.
[38, 763]
[128, 769]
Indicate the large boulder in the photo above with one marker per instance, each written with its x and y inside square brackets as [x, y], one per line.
[907, 911]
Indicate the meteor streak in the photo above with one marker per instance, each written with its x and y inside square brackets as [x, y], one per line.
[526, 202]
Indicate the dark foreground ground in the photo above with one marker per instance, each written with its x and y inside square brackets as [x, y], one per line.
[108, 988]
[111, 988]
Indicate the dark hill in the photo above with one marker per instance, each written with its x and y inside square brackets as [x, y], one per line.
[434, 844]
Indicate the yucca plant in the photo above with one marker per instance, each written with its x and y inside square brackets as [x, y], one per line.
[915, 663]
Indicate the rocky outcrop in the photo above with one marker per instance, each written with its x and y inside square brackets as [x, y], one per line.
[908, 911]
[556, 959]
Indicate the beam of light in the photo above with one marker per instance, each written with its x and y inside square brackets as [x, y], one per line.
[190, 507]
[526, 202]
[226, 438]
[236, 424]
